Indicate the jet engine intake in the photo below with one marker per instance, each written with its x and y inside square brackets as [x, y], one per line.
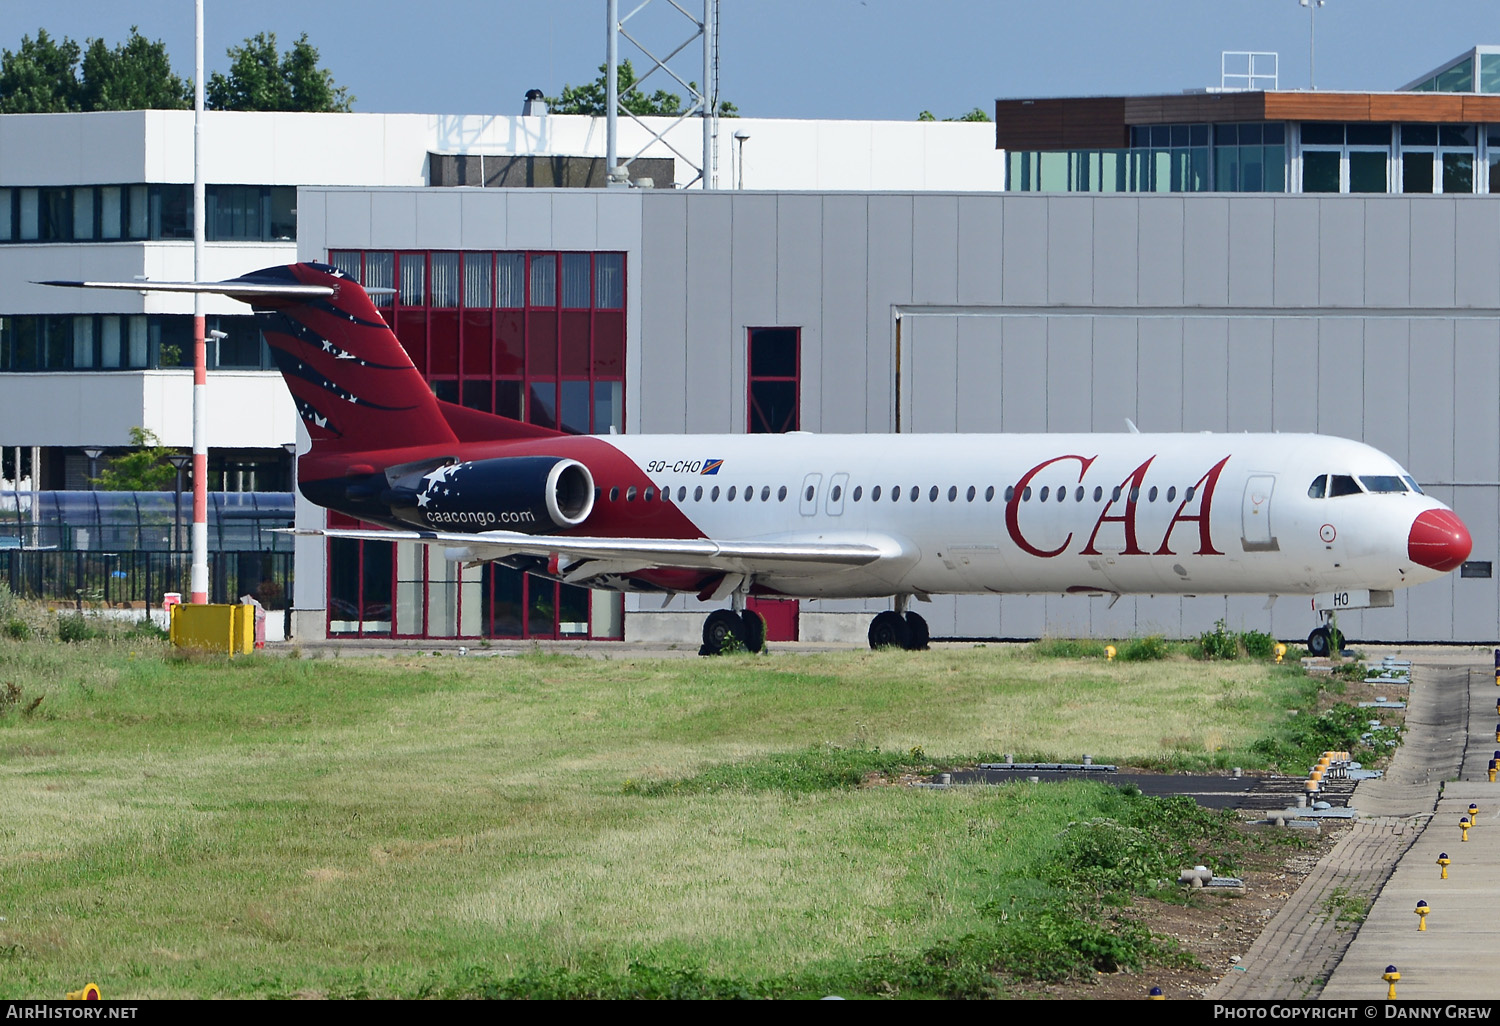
[530, 494]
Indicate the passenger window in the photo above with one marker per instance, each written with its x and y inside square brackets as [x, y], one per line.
[989, 493]
[1026, 494]
[630, 494]
[875, 494]
[1172, 494]
[1098, 493]
[952, 493]
[1044, 492]
[732, 488]
[749, 493]
[650, 494]
[1342, 484]
[682, 494]
[932, 495]
[713, 496]
[834, 495]
[895, 493]
[1062, 493]
[970, 494]
[1010, 492]
[614, 494]
[1187, 496]
[857, 490]
[915, 491]
[765, 493]
[1151, 495]
[807, 497]
[1078, 495]
[1318, 488]
[781, 494]
[1135, 494]
[1115, 495]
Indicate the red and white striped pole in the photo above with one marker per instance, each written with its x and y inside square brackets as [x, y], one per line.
[200, 349]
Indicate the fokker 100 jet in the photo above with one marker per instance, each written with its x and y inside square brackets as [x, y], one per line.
[831, 516]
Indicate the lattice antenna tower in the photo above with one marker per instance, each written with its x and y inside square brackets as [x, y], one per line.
[703, 101]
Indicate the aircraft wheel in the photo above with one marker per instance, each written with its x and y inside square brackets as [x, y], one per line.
[919, 636]
[889, 630]
[753, 632]
[1324, 642]
[721, 625]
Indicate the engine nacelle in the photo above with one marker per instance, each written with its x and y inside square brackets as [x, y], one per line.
[530, 494]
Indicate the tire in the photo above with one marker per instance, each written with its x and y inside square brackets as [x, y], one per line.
[721, 625]
[1320, 643]
[889, 630]
[919, 636]
[753, 631]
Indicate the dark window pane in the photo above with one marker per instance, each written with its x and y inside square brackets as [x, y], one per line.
[575, 407]
[773, 352]
[508, 399]
[1252, 169]
[1457, 79]
[542, 404]
[411, 330]
[1342, 484]
[773, 407]
[609, 407]
[1226, 135]
[346, 260]
[1250, 135]
[1227, 169]
[1419, 135]
[1416, 172]
[54, 215]
[477, 396]
[1179, 135]
[1275, 169]
[1458, 172]
[446, 389]
[510, 342]
[1275, 133]
[1367, 171]
[1456, 135]
[1320, 172]
[283, 213]
[1161, 135]
[1369, 134]
[509, 601]
[1322, 133]
[171, 214]
[1198, 135]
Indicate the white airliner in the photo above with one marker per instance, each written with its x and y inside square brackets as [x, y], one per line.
[823, 516]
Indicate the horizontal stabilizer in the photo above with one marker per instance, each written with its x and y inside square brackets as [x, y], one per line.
[243, 290]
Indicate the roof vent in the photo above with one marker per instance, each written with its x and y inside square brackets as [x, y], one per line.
[535, 105]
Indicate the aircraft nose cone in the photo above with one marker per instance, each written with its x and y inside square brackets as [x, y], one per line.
[1439, 540]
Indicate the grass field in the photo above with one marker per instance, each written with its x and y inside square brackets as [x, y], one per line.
[176, 827]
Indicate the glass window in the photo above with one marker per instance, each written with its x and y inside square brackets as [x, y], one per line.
[1252, 169]
[1458, 172]
[413, 278]
[1368, 134]
[1227, 168]
[609, 407]
[1275, 133]
[83, 213]
[1382, 483]
[5, 219]
[55, 215]
[345, 260]
[28, 215]
[1411, 481]
[1456, 135]
[171, 213]
[1419, 135]
[1342, 484]
[444, 279]
[1489, 73]
[1320, 171]
[138, 214]
[479, 279]
[111, 212]
[609, 280]
[1367, 171]
[576, 403]
[1417, 172]
[543, 280]
[1457, 79]
[575, 281]
[1318, 488]
[283, 213]
[138, 341]
[109, 342]
[1322, 133]
[83, 343]
[510, 280]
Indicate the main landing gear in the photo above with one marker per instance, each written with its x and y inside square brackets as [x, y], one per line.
[899, 628]
[746, 626]
[1326, 640]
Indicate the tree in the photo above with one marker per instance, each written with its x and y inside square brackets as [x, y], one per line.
[977, 114]
[593, 99]
[135, 75]
[260, 78]
[144, 470]
[40, 77]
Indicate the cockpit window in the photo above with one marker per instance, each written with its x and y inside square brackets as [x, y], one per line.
[1342, 484]
[1382, 483]
[1414, 486]
[1318, 488]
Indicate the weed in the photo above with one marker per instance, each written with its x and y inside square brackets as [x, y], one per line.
[1258, 645]
[1151, 648]
[1219, 643]
[1066, 648]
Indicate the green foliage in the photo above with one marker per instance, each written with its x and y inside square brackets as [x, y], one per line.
[1220, 643]
[40, 77]
[262, 78]
[1258, 645]
[1338, 728]
[135, 75]
[593, 97]
[43, 76]
[1344, 906]
[74, 627]
[1066, 648]
[145, 469]
[977, 114]
[1151, 648]
[816, 768]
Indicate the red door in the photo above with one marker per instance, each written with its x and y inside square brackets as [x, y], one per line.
[780, 615]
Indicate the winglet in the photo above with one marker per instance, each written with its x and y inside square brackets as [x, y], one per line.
[1130, 426]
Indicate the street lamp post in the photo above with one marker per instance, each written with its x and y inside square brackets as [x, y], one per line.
[1312, 39]
[93, 452]
[740, 138]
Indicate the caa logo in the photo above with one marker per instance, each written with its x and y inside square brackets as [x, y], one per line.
[711, 466]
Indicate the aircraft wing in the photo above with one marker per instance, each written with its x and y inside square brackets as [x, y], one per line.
[584, 557]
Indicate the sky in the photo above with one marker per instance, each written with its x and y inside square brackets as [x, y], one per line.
[834, 59]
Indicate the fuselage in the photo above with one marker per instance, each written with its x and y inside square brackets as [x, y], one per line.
[1120, 513]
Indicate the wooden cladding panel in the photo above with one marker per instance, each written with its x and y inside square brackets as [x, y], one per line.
[1417, 107]
[1060, 124]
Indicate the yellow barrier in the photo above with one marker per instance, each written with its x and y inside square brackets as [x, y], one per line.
[216, 628]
